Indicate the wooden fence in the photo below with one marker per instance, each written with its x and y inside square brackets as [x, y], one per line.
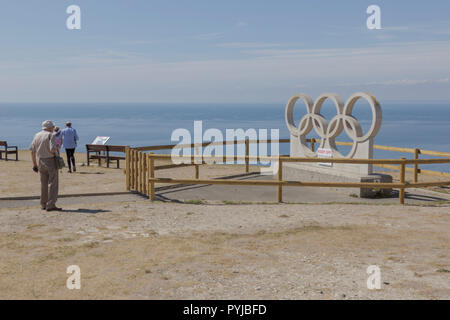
[140, 168]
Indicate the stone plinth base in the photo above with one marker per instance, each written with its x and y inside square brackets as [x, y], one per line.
[299, 172]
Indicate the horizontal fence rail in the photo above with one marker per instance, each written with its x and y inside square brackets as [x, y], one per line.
[416, 170]
[140, 168]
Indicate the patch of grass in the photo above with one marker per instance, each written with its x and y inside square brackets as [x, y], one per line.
[135, 219]
[45, 258]
[194, 201]
[236, 202]
[91, 245]
[353, 195]
[32, 226]
[152, 233]
[443, 270]
[66, 251]
[284, 216]
[436, 203]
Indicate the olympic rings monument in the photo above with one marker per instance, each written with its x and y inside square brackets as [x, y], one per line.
[328, 131]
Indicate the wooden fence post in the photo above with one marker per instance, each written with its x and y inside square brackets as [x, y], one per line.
[140, 171]
[127, 167]
[416, 165]
[152, 175]
[131, 169]
[197, 172]
[144, 173]
[247, 152]
[224, 152]
[401, 196]
[196, 154]
[135, 164]
[139, 162]
[147, 181]
[280, 179]
[313, 141]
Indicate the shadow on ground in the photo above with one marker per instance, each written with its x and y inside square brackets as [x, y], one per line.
[89, 211]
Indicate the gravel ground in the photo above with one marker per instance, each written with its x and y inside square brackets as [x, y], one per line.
[144, 250]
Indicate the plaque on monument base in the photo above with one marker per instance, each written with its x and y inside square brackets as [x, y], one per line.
[302, 172]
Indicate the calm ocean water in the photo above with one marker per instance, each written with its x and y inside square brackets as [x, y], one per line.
[404, 124]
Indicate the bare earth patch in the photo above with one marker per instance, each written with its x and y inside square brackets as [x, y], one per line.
[144, 250]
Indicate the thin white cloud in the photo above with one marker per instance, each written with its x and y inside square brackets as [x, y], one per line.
[401, 82]
[248, 45]
[208, 36]
[385, 37]
[397, 28]
[268, 76]
[138, 42]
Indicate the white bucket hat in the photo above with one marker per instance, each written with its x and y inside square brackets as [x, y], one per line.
[47, 124]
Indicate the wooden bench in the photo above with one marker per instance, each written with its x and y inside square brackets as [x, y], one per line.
[102, 152]
[8, 150]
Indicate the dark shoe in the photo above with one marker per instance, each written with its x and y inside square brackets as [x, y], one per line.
[70, 171]
[74, 169]
[54, 209]
[43, 208]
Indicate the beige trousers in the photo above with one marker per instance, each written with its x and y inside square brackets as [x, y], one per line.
[49, 182]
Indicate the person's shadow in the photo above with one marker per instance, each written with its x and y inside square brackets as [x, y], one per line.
[90, 211]
[82, 172]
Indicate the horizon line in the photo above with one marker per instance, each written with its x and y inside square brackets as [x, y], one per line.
[207, 102]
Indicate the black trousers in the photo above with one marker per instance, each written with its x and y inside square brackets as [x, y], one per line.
[70, 158]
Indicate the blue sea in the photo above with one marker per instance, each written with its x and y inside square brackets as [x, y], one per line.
[413, 125]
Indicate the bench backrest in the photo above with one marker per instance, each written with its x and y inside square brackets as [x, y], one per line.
[3, 144]
[116, 148]
[97, 147]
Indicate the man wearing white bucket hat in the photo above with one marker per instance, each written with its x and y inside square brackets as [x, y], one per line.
[45, 147]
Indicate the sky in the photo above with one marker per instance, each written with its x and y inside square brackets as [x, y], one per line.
[222, 51]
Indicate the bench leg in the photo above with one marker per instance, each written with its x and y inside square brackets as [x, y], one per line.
[17, 155]
[118, 164]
